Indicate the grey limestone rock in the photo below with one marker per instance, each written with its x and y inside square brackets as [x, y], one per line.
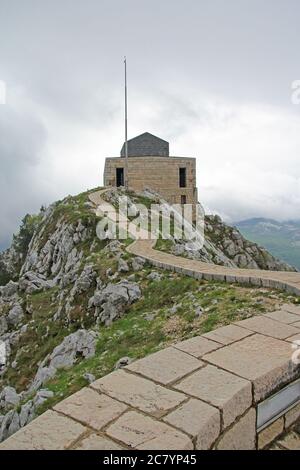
[112, 300]
[15, 315]
[9, 290]
[138, 263]
[8, 398]
[123, 362]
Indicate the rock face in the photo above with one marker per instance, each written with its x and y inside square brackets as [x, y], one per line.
[42, 376]
[9, 290]
[8, 398]
[112, 301]
[84, 281]
[138, 263]
[123, 266]
[32, 282]
[13, 420]
[224, 245]
[81, 344]
[15, 315]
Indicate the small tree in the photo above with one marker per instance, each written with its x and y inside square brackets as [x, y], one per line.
[22, 240]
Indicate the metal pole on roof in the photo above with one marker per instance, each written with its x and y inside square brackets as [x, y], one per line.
[126, 139]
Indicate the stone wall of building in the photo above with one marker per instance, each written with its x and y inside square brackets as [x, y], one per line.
[161, 174]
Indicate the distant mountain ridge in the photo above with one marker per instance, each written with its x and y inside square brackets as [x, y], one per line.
[282, 239]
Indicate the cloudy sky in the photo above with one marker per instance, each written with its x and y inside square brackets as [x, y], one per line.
[211, 76]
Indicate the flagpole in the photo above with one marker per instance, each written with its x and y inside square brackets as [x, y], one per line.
[126, 139]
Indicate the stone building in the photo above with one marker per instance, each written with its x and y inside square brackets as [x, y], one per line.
[151, 167]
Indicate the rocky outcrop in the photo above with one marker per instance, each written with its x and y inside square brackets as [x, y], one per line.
[9, 289]
[33, 282]
[112, 301]
[15, 315]
[58, 258]
[8, 398]
[224, 245]
[81, 344]
[15, 418]
[138, 263]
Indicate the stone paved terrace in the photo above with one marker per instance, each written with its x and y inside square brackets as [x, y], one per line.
[201, 393]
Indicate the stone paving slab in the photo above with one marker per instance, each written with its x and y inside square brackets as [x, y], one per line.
[139, 392]
[197, 346]
[270, 433]
[292, 416]
[268, 327]
[291, 441]
[166, 366]
[198, 419]
[232, 394]
[142, 432]
[50, 431]
[95, 442]
[91, 408]
[284, 317]
[227, 334]
[293, 338]
[291, 308]
[263, 360]
[242, 434]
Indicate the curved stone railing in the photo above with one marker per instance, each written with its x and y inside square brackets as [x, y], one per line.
[202, 393]
[283, 280]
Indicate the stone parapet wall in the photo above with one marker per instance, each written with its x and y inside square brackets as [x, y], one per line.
[283, 280]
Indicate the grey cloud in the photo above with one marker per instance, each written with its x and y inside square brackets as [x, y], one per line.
[23, 139]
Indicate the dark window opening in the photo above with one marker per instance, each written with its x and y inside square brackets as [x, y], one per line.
[182, 177]
[120, 176]
[183, 199]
